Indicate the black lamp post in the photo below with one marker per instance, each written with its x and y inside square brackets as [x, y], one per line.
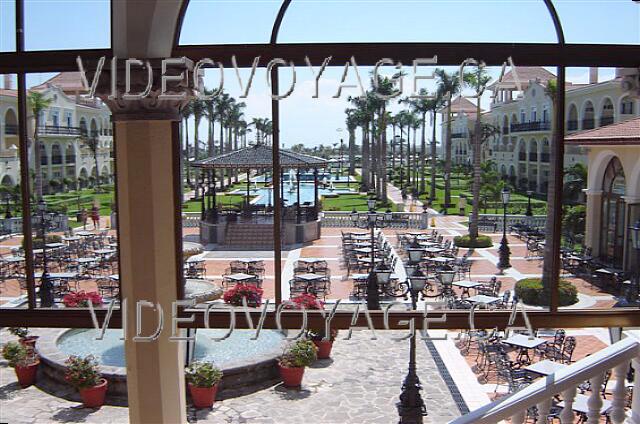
[7, 198]
[46, 286]
[411, 407]
[529, 211]
[504, 244]
[372, 220]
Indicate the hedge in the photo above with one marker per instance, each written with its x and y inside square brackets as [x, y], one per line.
[465, 241]
[531, 292]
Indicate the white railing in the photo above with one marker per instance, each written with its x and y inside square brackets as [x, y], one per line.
[537, 221]
[565, 382]
[190, 219]
[399, 219]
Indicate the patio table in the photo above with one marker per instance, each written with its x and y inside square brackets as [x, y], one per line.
[194, 259]
[57, 275]
[55, 245]
[481, 298]
[441, 259]
[310, 260]
[363, 250]
[249, 260]
[309, 277]
[72, 238]
[524, 343]
[433, 250]
[240, 276]
[13, 259]
[104, 251]
[545, 367]
[84, 233]
[465, 286]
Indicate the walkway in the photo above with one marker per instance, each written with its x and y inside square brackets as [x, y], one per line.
[360, 385]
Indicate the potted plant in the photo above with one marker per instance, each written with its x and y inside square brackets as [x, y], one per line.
[317, 336]
[293, 361]
[203, 379]
[23, 360]
[235, 294]
[23, 334]
[84, 375]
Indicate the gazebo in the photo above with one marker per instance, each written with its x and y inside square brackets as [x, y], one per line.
[256, 157]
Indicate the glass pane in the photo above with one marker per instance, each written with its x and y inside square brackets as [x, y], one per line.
[79, 24]
[73, 194]
[235, 22]
[13, 286]
[598, 256]
[600, 21]
[417, 21]
[7, 26]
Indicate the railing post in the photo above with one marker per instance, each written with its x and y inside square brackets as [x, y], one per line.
[594, 403]
[543, 410]
[617, 414]
[518, 417]
[567, 416]
[635, 402]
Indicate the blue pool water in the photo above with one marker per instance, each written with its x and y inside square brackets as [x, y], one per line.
[236, 348]
[306, 176]
[290, 195]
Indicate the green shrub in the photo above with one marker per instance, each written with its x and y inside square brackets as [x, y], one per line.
[465, 241]
[301, 354]
[531, 292]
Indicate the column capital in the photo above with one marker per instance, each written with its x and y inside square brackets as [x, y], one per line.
[145, 100]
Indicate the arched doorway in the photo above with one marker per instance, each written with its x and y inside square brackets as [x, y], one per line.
[613, 214]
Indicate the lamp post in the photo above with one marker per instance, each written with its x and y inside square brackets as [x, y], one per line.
[372, 220]
[411, 407]
[504, 251]
[529, 212]
[46, 286]
[446, 204]
[7, 198]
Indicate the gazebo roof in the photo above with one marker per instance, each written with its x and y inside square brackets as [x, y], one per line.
[259, 156]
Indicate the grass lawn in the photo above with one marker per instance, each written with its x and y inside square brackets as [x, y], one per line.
[85, 198]
[347, 202]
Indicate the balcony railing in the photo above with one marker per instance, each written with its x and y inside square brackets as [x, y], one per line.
[459, 135]
[53, 130]
[531, 126]
[565, 382]
[588, 124]
[606, 120]
[10, 129]
[572, 125]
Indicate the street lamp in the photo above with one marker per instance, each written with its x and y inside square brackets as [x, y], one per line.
[372, 220]
[504, 251]
[46, 286]
[529, 211]
[411, 407]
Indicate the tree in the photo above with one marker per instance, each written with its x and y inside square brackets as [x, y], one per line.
[575, 180]
[93, 144]
[477, 80]
[352, 124]
[187, 111]
[37, 103]
[448, 87]
[422, 106]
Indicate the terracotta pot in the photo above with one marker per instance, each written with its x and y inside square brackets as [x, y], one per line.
[27, 375]
[203, 397]
[93, 397]
[291, 377]
[324, 348]
[29, 341]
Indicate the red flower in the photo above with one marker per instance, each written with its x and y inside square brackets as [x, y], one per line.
[306, 301]
[81, 299]
[235, 294]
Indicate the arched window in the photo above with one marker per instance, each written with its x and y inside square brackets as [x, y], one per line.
[43, 155]
[56, 155]
[606, 114]
[588, 117]
[626, 106]
[613, 214]
[10, 123]
[572, 122]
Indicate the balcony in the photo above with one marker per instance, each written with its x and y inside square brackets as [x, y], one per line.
[459, 135]
[10, 129]
[531, 126]
[54, 130]
[606, 120]
[572, 125]
[588, 124]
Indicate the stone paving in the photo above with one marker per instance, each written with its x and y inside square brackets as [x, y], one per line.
[360, 384]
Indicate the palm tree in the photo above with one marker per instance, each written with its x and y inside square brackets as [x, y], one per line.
[575, 180]
[92, 143]
[448, 87]
[478, 80]
[352, 123]
[199, 111]
[362, 116]
[435, 105]
[210, 108]
[551, 91]
[37, 103]
[421, 106]
[187, 112]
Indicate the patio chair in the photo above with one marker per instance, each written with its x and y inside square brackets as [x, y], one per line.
[514, 378]
[552, 350]
[567, 350]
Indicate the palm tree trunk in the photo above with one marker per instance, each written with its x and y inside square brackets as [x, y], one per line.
[352, 151]
[409, 186]
[432, 188]
[423, 151]
[365, 156]
[447, 159]
[552, 205]
[383, 154]
[185, 126]
[477, 171]
[38, 159]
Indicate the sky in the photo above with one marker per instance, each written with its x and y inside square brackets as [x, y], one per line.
[85, 24]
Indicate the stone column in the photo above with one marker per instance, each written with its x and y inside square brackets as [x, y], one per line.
[593, 221]
[148, 146]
